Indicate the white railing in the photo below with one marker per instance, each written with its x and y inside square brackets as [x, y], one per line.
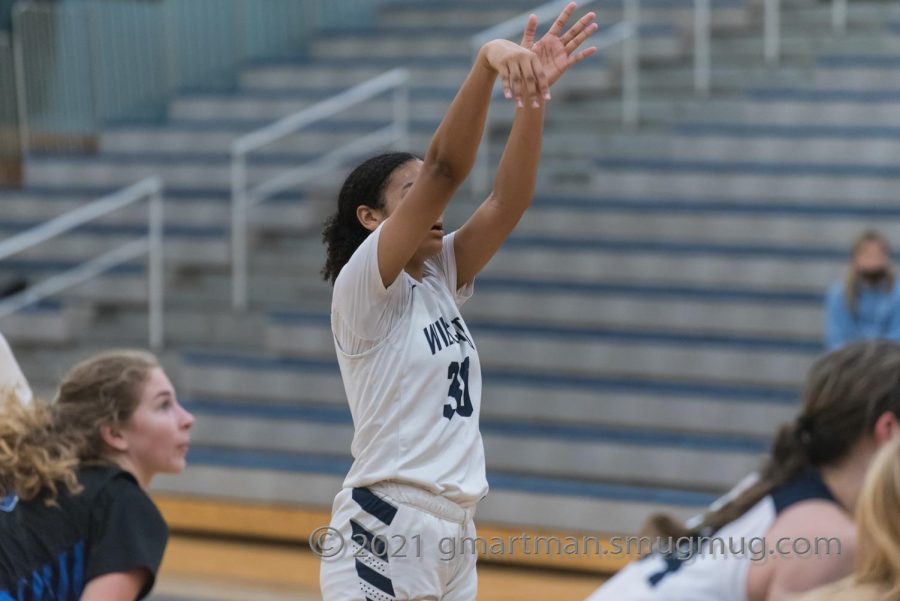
[702, 47]
[625, 32]
[244, 196]
[9, 118]
[149, 189]
[772, 26]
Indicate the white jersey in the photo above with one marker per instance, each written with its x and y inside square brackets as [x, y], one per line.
[412, 376]
[718, 569]
[11, 376]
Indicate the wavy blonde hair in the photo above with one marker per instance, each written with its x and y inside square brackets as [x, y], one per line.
[42, 445]
[878, 560]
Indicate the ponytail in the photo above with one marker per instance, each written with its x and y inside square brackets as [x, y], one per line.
[846, 391]
[788, 458]
[342, 233]
[34, 456]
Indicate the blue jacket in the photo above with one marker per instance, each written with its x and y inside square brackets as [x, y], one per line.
[877, 316]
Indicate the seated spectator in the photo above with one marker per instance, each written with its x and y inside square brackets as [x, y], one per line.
[877, 574]
[866, 305]
[76, 523]
[807, 491]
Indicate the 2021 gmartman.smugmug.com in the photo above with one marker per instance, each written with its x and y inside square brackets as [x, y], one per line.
[328, 543]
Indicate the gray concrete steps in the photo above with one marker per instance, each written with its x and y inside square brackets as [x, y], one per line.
[757, 221]
[701, 265]
[751, 45]
[862, 72]
[200, 138]
[191, 171]
[628, 261]
[444, 42]
[182, 208]
[736, 141]
[521, 345]
[724, 77]
[205, 247]
[593, 399]
[651, 308]
[416, 15]
[124, 285]
[184, 326]
[847, 182]
[345, 74]
[517, 501]
[817, 17]
[789, 105]
[45, 366]
[659, 40]
[48, 323]
[186, 171]
[610, 455]
[425, 103]
[693, 310]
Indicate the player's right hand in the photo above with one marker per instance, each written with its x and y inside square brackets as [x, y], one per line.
[520, 70]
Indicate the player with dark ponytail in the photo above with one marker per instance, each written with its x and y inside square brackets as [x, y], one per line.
[408, 361]
[806, 492]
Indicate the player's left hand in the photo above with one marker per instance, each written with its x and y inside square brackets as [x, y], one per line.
[558, 51]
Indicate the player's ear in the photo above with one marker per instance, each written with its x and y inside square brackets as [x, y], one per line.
[369, 218]
[113, 438]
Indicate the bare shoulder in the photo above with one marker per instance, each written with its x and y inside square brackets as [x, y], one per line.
[811, 544]
[815, 518]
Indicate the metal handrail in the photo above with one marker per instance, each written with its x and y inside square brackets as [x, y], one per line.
[702, 47]
[772, 21]
[149, 189]
[6, 51]
[625, 32]
[244, 197]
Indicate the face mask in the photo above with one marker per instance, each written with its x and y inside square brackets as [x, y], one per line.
[874, 276]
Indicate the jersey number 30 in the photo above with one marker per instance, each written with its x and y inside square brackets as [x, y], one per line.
[458, 374]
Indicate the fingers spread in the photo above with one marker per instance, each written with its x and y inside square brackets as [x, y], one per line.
[577, 58]
[578, 28]
[562, 19]
[530, 30]
[579, 39]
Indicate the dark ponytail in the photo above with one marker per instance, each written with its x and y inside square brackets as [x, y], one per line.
[342, 232]
[846, 392]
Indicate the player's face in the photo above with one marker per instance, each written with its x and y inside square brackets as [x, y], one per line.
[399, 184]
[159, 431]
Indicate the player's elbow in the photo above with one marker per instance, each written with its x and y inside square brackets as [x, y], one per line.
[444, 170]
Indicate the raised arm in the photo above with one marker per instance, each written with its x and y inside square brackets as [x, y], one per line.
[478, 240]
[452, 151]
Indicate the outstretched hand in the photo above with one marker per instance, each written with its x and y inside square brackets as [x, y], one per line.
[520, 70]
[558, 51]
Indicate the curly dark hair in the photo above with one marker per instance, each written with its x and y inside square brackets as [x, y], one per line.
[342, 232]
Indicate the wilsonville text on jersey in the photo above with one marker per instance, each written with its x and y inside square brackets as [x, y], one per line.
[440, 332]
